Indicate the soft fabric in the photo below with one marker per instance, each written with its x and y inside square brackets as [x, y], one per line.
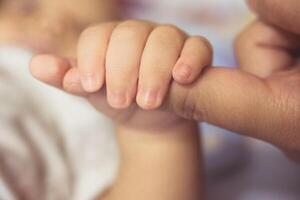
[53, 146]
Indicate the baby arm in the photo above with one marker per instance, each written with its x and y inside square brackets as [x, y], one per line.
[161, 166]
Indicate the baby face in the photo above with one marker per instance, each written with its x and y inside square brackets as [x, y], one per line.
[50, 25]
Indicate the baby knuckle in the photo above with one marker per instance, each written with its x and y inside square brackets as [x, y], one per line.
[168, 33]
[170, 30]
[132, 28]
[203, 45]
[127, 32]
[201, 41]
[131, 23]
[90, 32]
[167, 37]
[95, 32]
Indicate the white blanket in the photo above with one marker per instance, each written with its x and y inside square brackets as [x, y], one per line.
[52, 145]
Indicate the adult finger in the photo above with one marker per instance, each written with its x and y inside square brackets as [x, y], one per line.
[240, 102]
[284, 14]
[262, 49]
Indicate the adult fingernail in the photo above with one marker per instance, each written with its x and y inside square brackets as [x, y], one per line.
[90, 82]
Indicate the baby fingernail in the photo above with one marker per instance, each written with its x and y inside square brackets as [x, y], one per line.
[90, 82]
[149, 98]
[74, 77]
[183, 72]
[117, 99]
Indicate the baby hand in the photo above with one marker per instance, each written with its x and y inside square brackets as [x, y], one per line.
[135, 60]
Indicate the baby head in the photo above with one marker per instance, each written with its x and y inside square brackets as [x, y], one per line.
[50, 25]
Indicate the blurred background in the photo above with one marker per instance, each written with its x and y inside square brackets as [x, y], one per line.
[57, 146]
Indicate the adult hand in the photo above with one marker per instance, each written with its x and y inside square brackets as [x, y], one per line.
[284, 14]
[262, 98]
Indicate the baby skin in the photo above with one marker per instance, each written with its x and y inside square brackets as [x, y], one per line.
[127, 71]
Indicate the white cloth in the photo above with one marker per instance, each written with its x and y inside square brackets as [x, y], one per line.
[45, 130]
